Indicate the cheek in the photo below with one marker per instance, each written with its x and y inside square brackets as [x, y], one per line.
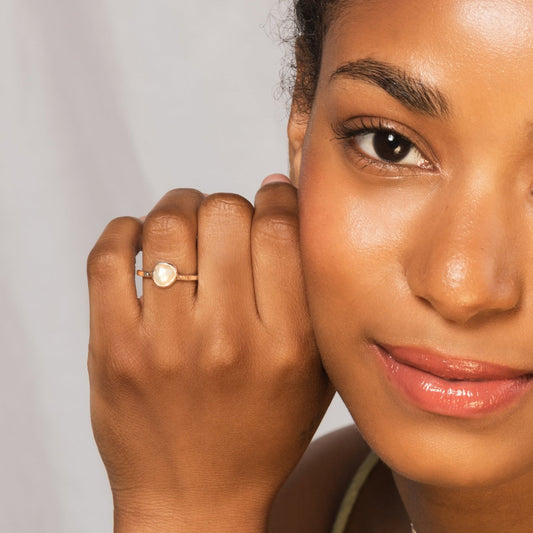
[355, 233]
[353, 240]
[353, 244]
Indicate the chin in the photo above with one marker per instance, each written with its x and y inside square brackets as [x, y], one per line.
[447, 469]
[442, 451]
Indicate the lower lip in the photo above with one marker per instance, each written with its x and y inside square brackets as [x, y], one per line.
[464, 399]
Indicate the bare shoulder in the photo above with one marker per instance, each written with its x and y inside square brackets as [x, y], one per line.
[309, 499]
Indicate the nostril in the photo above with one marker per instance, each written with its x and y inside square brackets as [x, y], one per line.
[476, 283]
[462, 307]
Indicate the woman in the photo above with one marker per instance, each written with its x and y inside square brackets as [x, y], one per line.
[402, 247]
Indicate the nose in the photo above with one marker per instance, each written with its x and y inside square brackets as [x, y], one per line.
[464, 261]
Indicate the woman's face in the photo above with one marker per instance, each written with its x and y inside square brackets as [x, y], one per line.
[416, 198]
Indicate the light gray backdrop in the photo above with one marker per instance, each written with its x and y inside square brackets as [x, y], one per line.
[104, 106]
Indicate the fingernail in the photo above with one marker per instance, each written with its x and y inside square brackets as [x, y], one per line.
[275, 178]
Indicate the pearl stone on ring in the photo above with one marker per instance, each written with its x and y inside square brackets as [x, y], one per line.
[164, 274]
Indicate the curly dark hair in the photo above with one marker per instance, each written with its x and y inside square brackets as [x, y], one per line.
[311, 20]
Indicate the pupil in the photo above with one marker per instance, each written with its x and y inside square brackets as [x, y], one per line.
[390, 146]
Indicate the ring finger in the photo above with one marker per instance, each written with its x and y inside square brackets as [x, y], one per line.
[169, 236]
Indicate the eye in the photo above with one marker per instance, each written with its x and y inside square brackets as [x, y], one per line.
[389, 147]
[376, 146]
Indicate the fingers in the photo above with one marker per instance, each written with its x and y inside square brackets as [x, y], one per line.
[247, 260]
[169, 235]
[224, 256]
[111, 276]
[279, 289]
[275, 178]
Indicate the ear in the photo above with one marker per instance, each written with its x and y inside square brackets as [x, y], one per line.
[299, 117]
[296, 129]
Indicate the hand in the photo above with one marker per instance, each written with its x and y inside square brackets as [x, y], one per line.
[204, 395]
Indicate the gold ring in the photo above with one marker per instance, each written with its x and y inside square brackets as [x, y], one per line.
[165, 275]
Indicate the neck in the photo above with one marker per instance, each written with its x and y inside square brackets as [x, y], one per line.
[505, 507]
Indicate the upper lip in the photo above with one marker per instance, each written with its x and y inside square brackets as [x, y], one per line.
[449, 367]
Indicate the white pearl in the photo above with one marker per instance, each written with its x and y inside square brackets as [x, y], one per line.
[164, 274]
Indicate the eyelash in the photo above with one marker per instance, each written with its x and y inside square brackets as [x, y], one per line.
[346, 132]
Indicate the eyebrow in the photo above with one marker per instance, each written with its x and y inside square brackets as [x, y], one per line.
[409, 90]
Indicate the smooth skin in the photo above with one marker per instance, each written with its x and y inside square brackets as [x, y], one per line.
[435, 254]
[204, 396]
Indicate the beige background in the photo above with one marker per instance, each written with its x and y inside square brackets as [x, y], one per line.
[104, 106]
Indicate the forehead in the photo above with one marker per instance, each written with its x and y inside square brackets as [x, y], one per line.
[479, 53]
[450, 34]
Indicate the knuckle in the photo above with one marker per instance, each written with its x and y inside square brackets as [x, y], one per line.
[185, 196]
[227, 203]
[105, 254]
[119, 223]
[291, 369]
[124, 366]
[277, 192]
[123, 371]
[187, 193]
[220, 363]
[293, 353]
[280, 225]
[117, 355]
[223, 351]
[100, 261]
[165, 366]
[165, 221]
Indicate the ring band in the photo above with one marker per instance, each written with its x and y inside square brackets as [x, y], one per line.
[165, 275]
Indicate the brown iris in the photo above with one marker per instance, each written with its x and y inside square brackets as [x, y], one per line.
[390, 146]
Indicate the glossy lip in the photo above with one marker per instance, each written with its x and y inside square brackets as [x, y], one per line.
[449, 386]
[449, 367]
